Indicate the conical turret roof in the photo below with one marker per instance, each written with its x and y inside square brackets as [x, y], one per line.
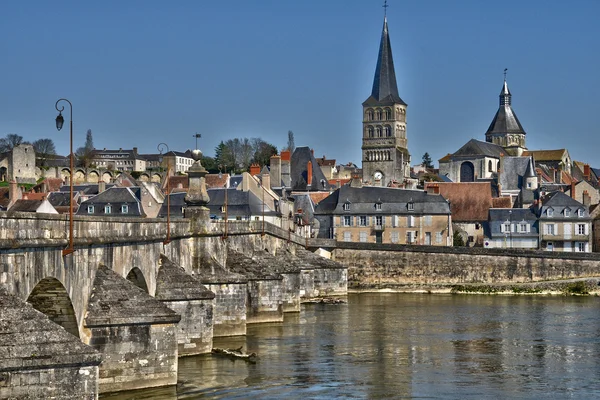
[505, 120]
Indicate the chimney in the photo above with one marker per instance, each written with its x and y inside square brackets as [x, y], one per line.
[587, 199]
[356, 182]
[135, 151]
[266, 181]
[312, 152]
[338, 183]
[101, 186]
[586, 171]
[254, 169]
[309, 173]
[573, 189]
[14, 193]
[275, 168]
[285, 155]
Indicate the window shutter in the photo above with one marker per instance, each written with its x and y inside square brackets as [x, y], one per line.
[555, 229]
[502, 227]
[587, 229]
[512, 227]
[528, 229]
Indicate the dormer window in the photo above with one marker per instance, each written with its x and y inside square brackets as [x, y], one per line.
[378, 206]
[107, 209]
[90, 209]
[347, 206]
[567, 212]
[580, 212]
[124, 209]
[549, 212]
[410, 206]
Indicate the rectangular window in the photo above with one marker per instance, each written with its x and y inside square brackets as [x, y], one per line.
[411, 206]
[549, 212]
[410, 221]
[394, 237]
[378, 206]
[580, 246]
[581, 229]
[506, 227]
[90, 209]
[346, 206]
[379, 220]
[347, 220]
[522, 228]
[580, 212]
[107, 209]
[363, 236]
[362, 220]
[550, 229]
[347, 236]
[124, 209]
[428, 220]
[567, 212]
[438, 237]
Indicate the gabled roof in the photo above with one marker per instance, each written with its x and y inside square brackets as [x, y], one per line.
[513, 172]
[26, 205]
[60, 199]
[546, 155]
[478, 148]
[469, 201]
[299, 171]
[115, 196]
[559, 199]
[385, 89]
[393, 201]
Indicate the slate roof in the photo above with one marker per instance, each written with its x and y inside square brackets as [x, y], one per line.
[498, 216]
[299, 171]
[505, 120]
[59, 199]
[26, 205]
[176, 204]
[393, 201]
[478, 148]
[514, 170]
[239, 203]
[558, 201]
[88, 189]
[385, 89]
[115, 196]
[546, 155]
[469, 201]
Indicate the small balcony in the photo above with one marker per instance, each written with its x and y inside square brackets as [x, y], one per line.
[378, 228]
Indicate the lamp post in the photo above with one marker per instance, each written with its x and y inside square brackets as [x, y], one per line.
[59, 124]
[225, 185]
[161, 147]
[510, 229]
[260, 185]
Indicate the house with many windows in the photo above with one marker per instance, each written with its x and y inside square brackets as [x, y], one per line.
[564, 223]
[514, 228]
[384, 215]
[114, 202]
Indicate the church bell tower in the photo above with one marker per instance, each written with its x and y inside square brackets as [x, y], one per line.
[385, 156]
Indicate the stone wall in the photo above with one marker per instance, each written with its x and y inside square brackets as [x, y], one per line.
[387, 267]
[230, 308]
[291, 292]
[265, 301]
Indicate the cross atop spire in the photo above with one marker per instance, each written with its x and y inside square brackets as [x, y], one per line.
[505, 69]
[385, 6]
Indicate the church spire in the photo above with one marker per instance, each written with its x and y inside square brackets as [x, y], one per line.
[384, 83]
[505, 96]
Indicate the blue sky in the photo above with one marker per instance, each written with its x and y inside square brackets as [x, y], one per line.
[143, 72]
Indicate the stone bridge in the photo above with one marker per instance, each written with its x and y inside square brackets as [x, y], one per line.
[136, 302]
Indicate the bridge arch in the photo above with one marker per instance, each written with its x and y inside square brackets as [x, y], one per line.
[136, 276]
[50, 297]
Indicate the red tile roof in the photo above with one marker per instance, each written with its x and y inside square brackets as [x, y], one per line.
[469, 202]
[213, 180]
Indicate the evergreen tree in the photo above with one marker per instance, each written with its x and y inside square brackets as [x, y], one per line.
[427, 161]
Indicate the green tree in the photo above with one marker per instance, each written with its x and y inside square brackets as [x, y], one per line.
[291, 146]
[457, 239]
[263, 152]
[427, 161]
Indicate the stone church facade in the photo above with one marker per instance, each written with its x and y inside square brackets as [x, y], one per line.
[385, 156]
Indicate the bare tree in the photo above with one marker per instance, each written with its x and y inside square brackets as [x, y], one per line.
[11, 141]
[44, 148]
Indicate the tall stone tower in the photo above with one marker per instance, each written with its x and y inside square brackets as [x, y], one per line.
[505, 129]
[385, 156]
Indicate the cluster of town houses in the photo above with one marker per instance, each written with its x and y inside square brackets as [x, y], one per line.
[492, 193]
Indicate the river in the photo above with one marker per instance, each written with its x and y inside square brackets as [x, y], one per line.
[413, 346]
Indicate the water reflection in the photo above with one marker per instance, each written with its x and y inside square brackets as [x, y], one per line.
[409, 346]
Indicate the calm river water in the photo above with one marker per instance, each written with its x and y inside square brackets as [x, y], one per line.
[390, 345]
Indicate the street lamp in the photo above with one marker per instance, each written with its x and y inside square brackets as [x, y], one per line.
[162, 147]
[260, 185]
[510, 228]
[59, 124]
[225, 185]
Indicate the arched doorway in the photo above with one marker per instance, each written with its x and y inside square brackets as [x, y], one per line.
[136, 277]
[50, 297]
[467, 172]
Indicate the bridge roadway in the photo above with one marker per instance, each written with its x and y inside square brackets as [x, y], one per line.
[89, 294]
